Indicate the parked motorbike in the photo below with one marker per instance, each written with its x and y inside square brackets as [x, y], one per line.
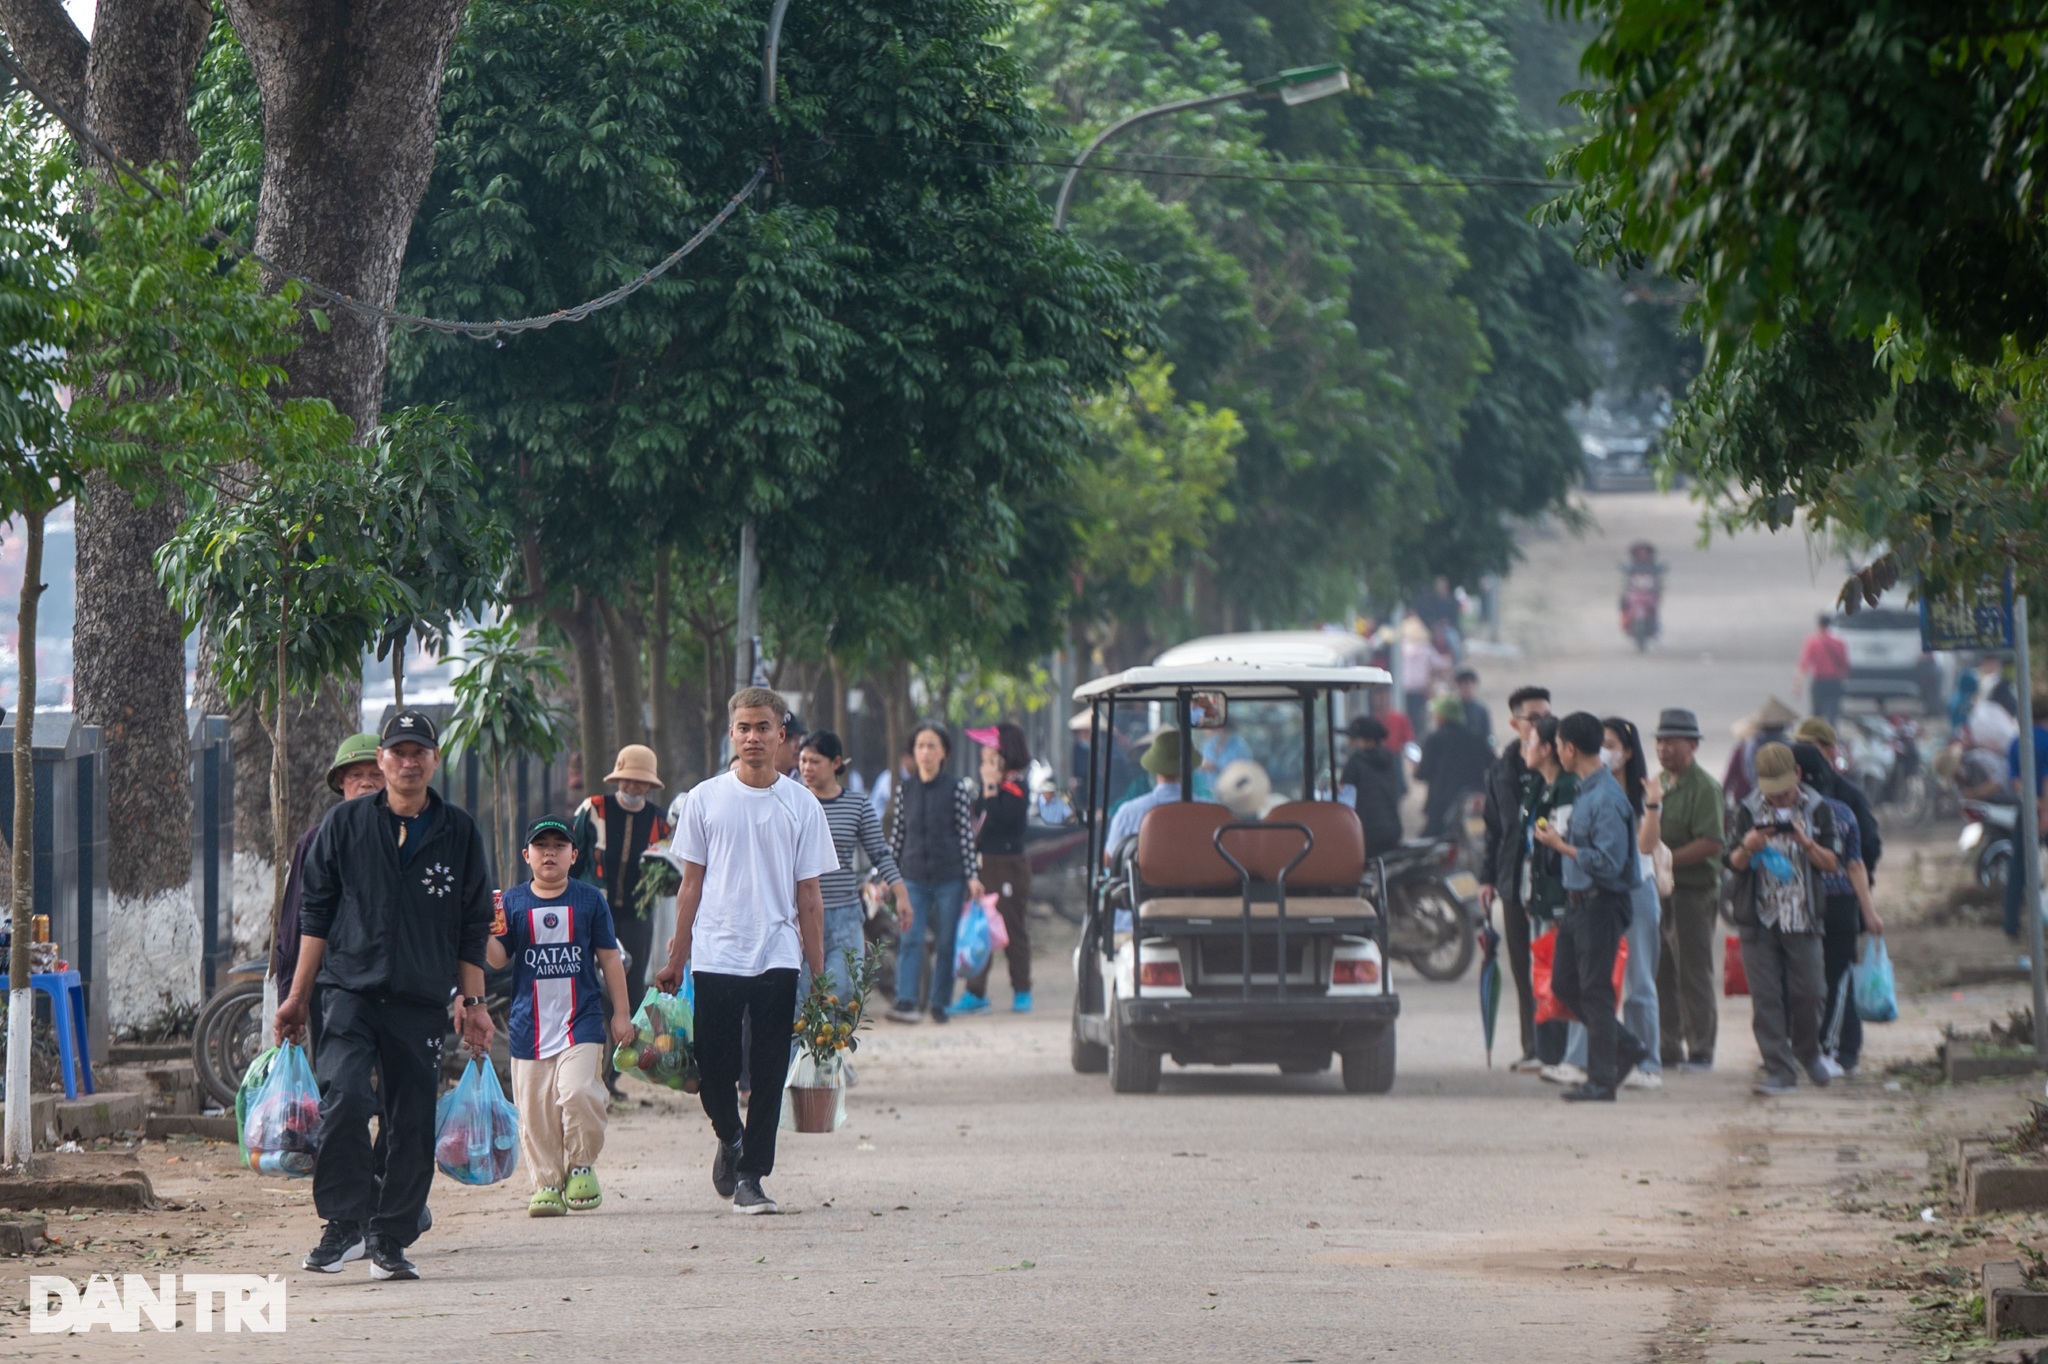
[1431, 916]
[1642, 594]
[1988, 838]
[1885, 757]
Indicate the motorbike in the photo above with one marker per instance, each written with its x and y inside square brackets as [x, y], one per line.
[1642, 594]
[1432, 908]
[1988, 837]
[1885, 757]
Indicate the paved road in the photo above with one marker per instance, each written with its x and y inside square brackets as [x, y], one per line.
[987, 1203]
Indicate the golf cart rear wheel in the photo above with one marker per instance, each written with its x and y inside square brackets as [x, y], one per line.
[1089, 1058]
[1133, 1067]
[1369, 1065]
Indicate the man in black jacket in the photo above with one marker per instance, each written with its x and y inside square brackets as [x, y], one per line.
[1500, 862]
[1374, 775]
[394, 914]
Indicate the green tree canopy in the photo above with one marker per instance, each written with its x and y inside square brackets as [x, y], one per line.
[1854, 191]
[875, 359]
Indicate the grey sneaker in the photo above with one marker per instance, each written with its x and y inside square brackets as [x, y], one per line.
[387, 1260]
[340, 1243]
[1773, 1087]
[749, 1201]
[1818, 1073]
[905, 1013]
[725, 1169]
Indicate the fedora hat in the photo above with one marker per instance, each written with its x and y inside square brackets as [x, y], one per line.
[635, 763]
[1678, 723]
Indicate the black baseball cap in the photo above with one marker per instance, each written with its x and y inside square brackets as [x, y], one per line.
[409, 726]
[548, 824]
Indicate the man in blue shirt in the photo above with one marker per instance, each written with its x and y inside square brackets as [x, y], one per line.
[1162, 760]
[1600, 869]
[2014, 878]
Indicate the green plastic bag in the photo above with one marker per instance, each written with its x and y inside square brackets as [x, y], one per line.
[252, 1079]
[663, 1050]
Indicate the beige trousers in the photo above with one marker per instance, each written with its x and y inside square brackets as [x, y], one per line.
[561, 1112]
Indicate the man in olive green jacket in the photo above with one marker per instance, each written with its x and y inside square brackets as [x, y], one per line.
[1687, 1000]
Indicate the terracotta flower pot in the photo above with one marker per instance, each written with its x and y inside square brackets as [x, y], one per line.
[816, 1106]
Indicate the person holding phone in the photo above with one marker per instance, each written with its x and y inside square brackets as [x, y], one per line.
[1785, 845]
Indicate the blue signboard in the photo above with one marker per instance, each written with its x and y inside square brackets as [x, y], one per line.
[1978, 621]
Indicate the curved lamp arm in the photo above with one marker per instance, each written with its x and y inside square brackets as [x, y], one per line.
[1059, 208]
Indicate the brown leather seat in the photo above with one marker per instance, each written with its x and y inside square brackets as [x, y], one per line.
[1176, 852]
[1336, 862]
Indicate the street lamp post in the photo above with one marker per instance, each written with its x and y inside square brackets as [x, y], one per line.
[1298, 86]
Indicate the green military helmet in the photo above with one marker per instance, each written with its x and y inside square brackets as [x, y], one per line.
[356, 748]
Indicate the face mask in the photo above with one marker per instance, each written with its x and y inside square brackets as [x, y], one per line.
[1614, 758]
[627, 802]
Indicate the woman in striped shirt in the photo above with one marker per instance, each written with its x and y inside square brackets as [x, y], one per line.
[853, 822]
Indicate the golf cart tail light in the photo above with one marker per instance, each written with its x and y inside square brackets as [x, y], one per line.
[1355, 971]
[1160, 975]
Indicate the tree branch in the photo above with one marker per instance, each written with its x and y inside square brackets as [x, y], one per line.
[49, 45]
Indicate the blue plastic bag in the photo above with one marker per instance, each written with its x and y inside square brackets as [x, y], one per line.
[1776, 865]
[1877, 999]
[476, 1128]
[281, 1125]
[973, 946]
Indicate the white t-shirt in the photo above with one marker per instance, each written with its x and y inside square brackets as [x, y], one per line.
[755, 844]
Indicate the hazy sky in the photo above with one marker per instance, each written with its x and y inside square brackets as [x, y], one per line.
[81, 12]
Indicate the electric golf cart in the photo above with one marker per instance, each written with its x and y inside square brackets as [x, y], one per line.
[1237, 924]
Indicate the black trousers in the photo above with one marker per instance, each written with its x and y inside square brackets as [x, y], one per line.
[1582, 978]
[1515, 929]
[378, 1057]
[724, 1005]
[1841, 1027]
[316, 1021]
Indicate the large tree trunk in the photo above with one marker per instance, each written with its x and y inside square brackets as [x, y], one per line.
[131, 84]
[593, 743]
[660, 691]
[622, 641]
[350, 94]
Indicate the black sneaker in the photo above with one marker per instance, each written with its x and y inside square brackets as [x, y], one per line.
[748, 1199]
[725, 1169]
[387, 1260]
[1588, 1094]
[340, 1243]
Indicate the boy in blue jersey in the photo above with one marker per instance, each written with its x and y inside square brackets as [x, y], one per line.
[557, 935]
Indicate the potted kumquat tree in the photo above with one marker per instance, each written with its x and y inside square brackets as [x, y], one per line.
[828, 1026]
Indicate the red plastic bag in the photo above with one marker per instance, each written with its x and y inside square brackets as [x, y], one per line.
[1734, 978]
[1541, 953]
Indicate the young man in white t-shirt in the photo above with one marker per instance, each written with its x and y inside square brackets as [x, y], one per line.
[753, 844]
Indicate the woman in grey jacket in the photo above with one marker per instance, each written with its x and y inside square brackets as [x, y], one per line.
[932, 833]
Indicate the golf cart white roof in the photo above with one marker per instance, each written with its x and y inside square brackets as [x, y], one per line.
[1243, 681]
[1273, 648]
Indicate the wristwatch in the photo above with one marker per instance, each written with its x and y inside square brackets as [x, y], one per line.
[471, 1001]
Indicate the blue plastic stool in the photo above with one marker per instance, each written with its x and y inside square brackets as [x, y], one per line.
[67, 1011]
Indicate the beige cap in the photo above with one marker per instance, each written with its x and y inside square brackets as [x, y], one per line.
[1814, 730]
[1777, 771]
[636, 763]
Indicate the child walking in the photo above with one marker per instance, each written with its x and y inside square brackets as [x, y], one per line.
[557, 934]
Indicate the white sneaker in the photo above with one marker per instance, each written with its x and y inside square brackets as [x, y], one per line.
[1832, 1067]
[1643, 1079]
[1563, 1073]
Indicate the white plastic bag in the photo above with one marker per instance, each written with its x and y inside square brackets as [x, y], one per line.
[806, 1073]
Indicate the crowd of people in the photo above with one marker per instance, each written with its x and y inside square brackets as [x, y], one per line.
[1587, 848]
[389, 915]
